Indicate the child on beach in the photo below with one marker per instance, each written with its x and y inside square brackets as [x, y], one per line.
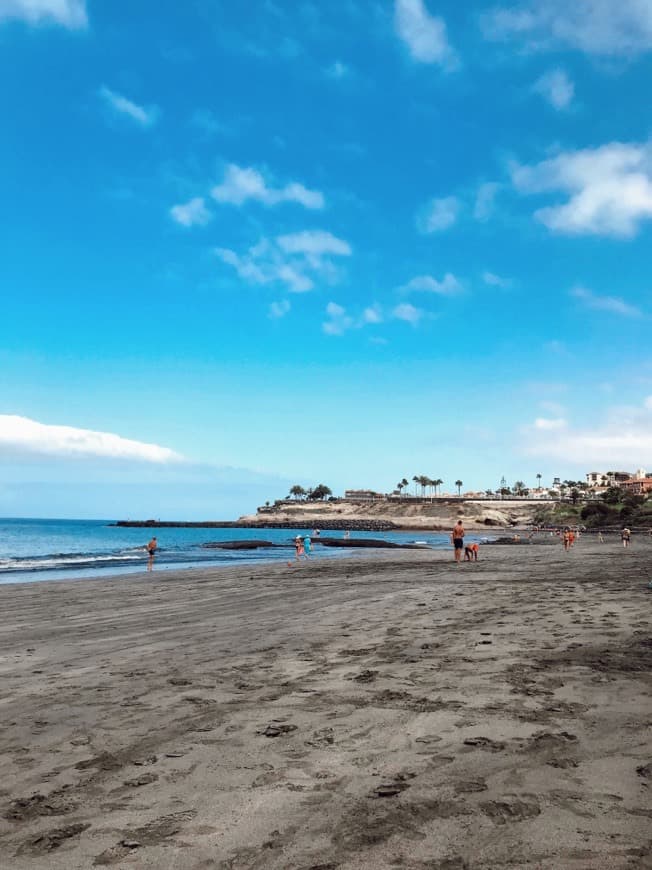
[471, 552]
[625, 535]
[299, 550]
[307, 546]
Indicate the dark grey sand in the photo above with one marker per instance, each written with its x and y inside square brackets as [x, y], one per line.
[392, 711]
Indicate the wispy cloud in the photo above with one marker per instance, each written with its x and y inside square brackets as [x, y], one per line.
[295, 261]
[424, 34]
[609, 189]
[68, 13]
[144, 116]
[493, 280]
[611, 304]
[448, 286]
[485, 200]
[556, 88]
[29, 437]
[408, 313]
[314, 243]
[438, 215]
[192, 213]
[277, 310]
[622, 437]
[338, 321]
[599, 27]
[338, 70]
[546, 424]
[241, 184]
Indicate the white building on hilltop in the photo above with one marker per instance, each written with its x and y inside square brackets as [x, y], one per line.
[609, 478]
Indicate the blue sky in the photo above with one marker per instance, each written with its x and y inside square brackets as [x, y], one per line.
[251, 245]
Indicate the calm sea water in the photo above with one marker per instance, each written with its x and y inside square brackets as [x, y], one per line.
[68, 549]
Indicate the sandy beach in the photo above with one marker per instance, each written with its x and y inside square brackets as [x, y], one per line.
[388, 711]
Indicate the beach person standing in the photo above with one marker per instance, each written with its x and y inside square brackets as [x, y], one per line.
[457, 540]
[298, 548]
[625, 535]
[151, 550]
[566, 538]
[307, 546]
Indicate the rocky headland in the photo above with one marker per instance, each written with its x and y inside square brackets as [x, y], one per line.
[397, 514]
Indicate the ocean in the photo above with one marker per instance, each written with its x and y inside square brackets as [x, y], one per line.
[32, 549]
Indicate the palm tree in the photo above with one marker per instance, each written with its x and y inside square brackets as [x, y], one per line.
[297, 491]
[415, 480]
[459, 484]
[405, 482]
[399, 487]
[518, 487]
[438, 483]
[539, 480]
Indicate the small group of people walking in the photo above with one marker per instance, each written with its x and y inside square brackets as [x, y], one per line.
[302, 547]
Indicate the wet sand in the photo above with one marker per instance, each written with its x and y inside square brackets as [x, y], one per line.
[388, 711]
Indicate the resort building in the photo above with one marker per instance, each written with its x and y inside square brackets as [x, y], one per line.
[637, 485]
[608, 478]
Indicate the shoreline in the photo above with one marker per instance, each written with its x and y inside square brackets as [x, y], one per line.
[383, 711]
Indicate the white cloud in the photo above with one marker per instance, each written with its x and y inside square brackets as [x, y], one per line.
[372, 315]
[146, 117]
[438, 215]
[448, 286]
[622, 438]
[277, 310]
[609, 189]
[612, 304]
[601, 27]
[314, 243]
[408, 313]
[549, 425]
[295, 260]
[556, 87]
[25, 436]
[68, 13]
[485, 200]
[424, 34]
[493, 280]
[241, 184]
[338, 320]
[192, 213]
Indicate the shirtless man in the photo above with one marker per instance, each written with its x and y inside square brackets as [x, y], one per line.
[457, 540]
[151, 549]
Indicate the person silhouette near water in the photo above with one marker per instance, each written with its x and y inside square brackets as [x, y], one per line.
[151, 550]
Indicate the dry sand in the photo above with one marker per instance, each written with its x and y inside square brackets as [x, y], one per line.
[389, 711]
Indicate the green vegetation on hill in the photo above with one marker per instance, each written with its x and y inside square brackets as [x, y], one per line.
[614, 508]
